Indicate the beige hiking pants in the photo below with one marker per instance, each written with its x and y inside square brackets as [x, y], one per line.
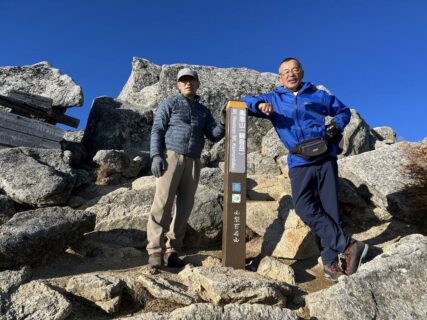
[180, 180]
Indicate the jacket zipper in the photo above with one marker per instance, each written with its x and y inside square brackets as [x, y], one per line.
[298, 118]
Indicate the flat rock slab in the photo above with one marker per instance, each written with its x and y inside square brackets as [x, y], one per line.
[35, 300]
[391, 286]
[37, 177]
[32, 235]
[12, 279]
[226, 285]
[105, 292]
[208, 311]
[42, 79]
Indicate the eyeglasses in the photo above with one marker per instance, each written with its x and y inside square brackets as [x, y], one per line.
[288, 71]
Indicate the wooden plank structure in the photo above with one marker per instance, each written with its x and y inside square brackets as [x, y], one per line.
[34, 105]
[20, 130]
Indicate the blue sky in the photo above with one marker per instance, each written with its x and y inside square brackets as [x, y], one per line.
[370, 53]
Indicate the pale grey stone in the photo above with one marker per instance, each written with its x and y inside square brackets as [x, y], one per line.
[386, 134]
[74, 136]
[380, 177]
[391, 286]
[37, 177]
[123, 209]
[272, 146]
[102, 290]
[357, 136]
[42, 79]
[12, 279]
[284, 234]
[232, 311]
[32, 235]
[35, 300]
[162, 288]
[250, 311]
[212, 178]
[226, 285]
[275, 269]
[118, 161]
[261, 164]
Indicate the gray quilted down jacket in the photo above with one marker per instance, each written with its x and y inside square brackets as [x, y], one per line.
[182, 127]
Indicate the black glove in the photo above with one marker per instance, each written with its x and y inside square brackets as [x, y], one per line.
[332, 129]
[158, 166]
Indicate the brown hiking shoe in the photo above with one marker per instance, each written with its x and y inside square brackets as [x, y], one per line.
[155, 259]
[332, 271]
[172, 260]
[354, 254]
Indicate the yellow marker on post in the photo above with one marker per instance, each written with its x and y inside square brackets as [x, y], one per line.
[234, 219]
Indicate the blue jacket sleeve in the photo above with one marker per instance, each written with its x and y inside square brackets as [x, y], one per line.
[213, 131]
[158, 131]
[339, 111]
[253, 101]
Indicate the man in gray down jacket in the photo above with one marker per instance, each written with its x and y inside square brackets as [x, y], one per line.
[177, 140]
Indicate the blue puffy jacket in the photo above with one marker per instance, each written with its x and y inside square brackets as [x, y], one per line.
[301, 117]
[182, 127]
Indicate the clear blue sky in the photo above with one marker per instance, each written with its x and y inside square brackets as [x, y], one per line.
[371, 53]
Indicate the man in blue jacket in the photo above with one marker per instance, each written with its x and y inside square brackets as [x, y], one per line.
[298, 111]
[177, 139]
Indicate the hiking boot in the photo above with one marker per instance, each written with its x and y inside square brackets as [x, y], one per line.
[155, 259]
[172, 260]
[332, 271]
[354, 254]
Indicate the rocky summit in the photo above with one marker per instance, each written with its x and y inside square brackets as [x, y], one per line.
[73, 221]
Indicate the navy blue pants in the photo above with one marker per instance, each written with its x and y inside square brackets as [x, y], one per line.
[314, 192]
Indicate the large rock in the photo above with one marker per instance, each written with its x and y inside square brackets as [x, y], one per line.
[37, 177]
[162, 288]
[275, 269]
[258, 164]
[42, 79]
[32, 235]
[381, 176]
[266, 187]
[226, 285]
[35, 300]
[205, 223]
[7, 209]
[285, 234]
[149, 84]
[12, 279]
[231, 311]
[124, 209]
[116, 166]
[105, 292]
[357, 136]
[272, 146]
[392, 286]
[116, 125]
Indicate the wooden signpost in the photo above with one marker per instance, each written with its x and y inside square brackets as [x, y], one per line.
[234, 220]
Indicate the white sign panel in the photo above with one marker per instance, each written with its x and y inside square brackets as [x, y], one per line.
[237, 152]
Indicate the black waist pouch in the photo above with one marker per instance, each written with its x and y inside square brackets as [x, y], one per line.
[310, 148]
